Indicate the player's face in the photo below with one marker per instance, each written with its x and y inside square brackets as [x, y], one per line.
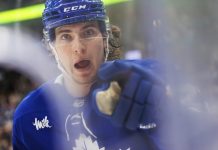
[80, 48]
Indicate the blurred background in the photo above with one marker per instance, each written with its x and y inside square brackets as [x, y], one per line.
[183, 35]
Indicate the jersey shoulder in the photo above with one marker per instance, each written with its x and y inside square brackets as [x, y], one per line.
[37, 100]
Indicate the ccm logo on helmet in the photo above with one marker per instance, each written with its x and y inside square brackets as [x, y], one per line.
[73, 8]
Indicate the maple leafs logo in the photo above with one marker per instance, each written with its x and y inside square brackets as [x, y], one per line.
[86, 143]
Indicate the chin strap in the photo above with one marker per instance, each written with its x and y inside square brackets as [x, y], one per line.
[60, 65]
[106, 50]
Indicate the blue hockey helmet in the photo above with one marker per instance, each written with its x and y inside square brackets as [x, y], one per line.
[63, 12]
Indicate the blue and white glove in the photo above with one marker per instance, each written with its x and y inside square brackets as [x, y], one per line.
[130, 93]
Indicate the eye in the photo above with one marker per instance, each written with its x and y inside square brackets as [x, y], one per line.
[66, 37]
[90, 32]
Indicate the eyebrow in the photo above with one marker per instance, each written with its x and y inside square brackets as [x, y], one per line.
[84, 27]
[63, 31]
[90, 25]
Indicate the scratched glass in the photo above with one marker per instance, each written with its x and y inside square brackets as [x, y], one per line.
[85, 37]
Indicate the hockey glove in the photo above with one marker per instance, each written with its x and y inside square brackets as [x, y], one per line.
[130, 93]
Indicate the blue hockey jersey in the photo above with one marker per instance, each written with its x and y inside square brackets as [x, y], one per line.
[51, 119]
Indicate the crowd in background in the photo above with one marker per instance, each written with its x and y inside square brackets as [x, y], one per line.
[13, 87]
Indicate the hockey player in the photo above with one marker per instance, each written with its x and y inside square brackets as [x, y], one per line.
[96, 104]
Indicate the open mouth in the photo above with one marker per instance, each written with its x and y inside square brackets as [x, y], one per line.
[82, 64]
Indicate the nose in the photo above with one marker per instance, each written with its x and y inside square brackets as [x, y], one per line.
[78, 46]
